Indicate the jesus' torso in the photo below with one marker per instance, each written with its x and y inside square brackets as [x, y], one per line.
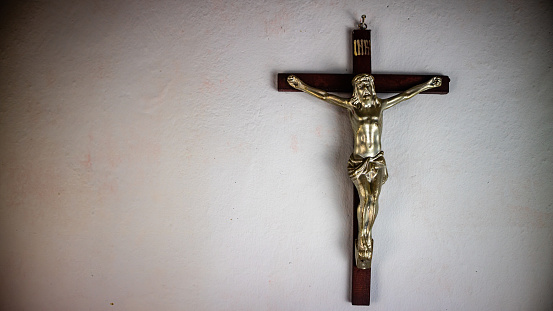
[366, 123]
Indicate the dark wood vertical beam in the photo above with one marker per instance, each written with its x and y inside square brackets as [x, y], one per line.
[360, 278]
[361, 49]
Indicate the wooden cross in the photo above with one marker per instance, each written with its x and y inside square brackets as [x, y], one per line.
[384, 83]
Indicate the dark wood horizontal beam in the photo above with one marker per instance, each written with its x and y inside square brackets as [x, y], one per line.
[384, 83]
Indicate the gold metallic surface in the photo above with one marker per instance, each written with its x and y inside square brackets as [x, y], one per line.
[362, 24]
[361, 47]
[366, 166]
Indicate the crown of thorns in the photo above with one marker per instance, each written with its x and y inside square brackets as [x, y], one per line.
[361, 77]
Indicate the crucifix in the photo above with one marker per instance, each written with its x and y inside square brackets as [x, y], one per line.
[366, 166]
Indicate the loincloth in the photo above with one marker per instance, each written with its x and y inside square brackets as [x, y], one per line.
[369, 167]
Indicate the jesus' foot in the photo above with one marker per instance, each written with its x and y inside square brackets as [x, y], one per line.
[363, 255]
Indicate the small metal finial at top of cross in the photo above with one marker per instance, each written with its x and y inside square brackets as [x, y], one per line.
[362, 24]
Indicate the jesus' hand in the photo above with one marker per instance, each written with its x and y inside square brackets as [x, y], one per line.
[295, 82]
[435, 82]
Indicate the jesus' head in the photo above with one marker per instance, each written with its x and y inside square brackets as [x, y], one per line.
[363, 88]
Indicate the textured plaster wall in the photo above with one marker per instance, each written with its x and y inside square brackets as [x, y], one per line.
[148, 162]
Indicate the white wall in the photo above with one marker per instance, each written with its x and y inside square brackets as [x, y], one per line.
[148, 162]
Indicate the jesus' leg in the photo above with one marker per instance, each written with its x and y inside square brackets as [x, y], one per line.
[363, 243]
[368, 186]
[375, 184]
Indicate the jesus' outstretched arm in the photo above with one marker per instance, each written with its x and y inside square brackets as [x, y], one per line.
[320, 94]
[392, 101]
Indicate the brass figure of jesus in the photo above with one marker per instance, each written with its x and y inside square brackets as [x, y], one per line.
[366, 166]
